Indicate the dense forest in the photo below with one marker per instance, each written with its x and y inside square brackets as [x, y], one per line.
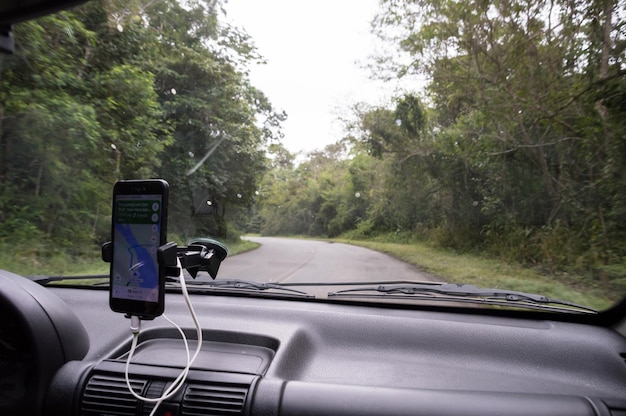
[123, 90]
[515, 148]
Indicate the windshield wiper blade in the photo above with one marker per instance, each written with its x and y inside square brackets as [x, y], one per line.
[44, 280]
[466, 293]
[244, 285]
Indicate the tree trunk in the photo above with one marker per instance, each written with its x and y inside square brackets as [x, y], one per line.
[606, 52]
[39, 179]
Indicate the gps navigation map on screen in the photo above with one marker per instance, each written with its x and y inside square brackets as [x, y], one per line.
[136, 236]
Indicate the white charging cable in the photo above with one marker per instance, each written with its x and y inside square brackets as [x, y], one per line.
[135, 327]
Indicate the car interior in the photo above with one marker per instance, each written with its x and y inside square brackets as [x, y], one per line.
[65, 353]
[63, 350]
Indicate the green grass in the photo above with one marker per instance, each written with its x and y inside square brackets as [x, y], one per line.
[486, 272]
[242, 246]
[447, 265]
[28, 261]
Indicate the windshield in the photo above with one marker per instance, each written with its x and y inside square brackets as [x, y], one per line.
[355, 143]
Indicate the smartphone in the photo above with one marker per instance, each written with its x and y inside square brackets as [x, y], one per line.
[139, 228]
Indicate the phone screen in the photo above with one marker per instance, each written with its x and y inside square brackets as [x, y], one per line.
[138, 231]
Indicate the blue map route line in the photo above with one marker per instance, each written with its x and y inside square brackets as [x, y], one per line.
[144, 261]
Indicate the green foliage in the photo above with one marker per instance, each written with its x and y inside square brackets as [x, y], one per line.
[516, 149]
[122, 90]
[451, 266]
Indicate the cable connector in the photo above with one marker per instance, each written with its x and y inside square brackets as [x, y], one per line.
[135, 324]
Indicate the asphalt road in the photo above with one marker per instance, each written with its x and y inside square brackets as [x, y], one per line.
[285, 260]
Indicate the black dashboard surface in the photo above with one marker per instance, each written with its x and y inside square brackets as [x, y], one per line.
[380, 347]
[276, 356]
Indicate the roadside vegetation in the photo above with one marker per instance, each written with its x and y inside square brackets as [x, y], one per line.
[513, 152]
[130, 90]
[30, 262]
[479, 270]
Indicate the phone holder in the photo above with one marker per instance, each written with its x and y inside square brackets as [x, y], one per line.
[202, 254]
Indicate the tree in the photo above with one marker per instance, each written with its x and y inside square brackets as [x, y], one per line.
[217, 155]
[132, 90]
[521, 90]
[40, 92]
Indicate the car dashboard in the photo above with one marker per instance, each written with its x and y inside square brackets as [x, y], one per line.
[265, 356]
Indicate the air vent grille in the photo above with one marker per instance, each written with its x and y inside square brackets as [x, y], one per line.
[214, 399]
[109, 395]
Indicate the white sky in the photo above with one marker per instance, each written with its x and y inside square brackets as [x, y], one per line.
[315, 52]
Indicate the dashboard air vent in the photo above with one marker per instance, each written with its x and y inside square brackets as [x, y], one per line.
[214, 399]
[109, 395]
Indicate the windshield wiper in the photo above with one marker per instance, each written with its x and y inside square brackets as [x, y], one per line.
[44, 280]
[242, 285]
[234, 284]
[465, 293]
